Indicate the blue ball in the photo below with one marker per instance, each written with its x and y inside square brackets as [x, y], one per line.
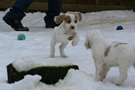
[119, 28]
[21, 37]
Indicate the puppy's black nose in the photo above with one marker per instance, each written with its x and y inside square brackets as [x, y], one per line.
[72, 27]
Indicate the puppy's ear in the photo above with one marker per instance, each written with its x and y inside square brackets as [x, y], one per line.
[88, 39]
[78, 14]
[59, 19]
[87, 43]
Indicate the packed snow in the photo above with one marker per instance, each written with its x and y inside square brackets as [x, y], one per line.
[37, 47]
[29, 63]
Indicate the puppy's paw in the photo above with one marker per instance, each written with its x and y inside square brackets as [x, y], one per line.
[75, 42]
[116, 82]
[71, 38]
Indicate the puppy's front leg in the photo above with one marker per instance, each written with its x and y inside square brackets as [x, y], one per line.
[99, 64]
[105, 71]
[76, 40]
[61, 47]
[99, 72]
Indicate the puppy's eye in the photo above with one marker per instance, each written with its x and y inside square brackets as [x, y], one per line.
[69, 21]
[75, 21]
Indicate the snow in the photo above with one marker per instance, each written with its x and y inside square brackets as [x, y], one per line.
[37, 47]
[23, 84]
[26, 64]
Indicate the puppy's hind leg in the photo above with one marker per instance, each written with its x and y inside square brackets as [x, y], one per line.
[123, 75]
[61, 47]
[52, 50]
[99, 70]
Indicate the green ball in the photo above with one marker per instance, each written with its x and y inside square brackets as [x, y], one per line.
[21, 37]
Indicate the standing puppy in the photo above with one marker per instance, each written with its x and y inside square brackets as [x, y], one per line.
[107, 54]
[65, 32]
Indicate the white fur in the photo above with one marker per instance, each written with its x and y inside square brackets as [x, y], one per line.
[107, 54]
[63, 34]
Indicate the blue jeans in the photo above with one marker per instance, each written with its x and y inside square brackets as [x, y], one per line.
[17, 10]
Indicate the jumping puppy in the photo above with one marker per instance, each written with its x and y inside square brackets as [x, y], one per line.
[65, 32]
[107, 54]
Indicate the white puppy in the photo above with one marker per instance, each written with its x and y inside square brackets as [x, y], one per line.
[65, 32]
[107, 54]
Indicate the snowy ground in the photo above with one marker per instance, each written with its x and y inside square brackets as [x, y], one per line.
[36, 47]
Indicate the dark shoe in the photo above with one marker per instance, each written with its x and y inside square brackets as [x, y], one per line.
[51, 25]
[15, 24]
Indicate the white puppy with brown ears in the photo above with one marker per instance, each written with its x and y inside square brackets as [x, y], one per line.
[65, 32]
[107, 54]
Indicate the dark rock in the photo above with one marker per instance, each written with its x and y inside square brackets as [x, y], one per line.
[50, 75]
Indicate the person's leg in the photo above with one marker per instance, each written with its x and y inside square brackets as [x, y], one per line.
[54, 9]
[16, 14]
[17, 10]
